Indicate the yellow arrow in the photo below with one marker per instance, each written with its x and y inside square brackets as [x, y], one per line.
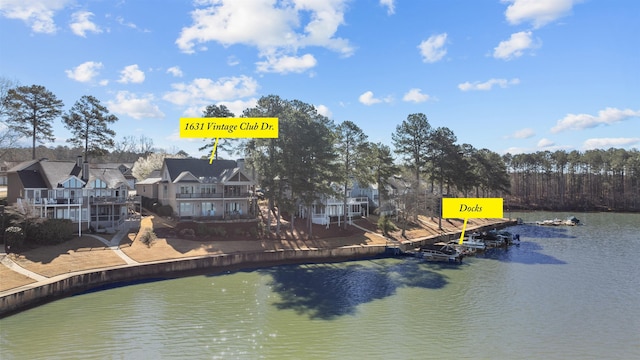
[213, 153]
[464, 226]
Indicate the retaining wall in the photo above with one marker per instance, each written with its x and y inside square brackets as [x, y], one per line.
[31, 296]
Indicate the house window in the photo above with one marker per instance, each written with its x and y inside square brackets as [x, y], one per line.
[186, 209]
[208, 209]
[233, 208]
[98, 184]
[73, 183]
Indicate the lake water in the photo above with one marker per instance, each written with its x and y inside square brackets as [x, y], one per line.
[564, 293]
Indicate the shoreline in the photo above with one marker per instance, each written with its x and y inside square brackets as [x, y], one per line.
[57, 287]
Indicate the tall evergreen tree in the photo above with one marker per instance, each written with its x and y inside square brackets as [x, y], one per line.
[353, 150]
[412, 141]
[383, 167]
[224, 144]
[88, 121]
[31, 111]
[8, 136]
[295, 168]
[264, 155]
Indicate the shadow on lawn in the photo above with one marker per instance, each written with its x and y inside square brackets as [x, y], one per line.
[46, 254]
[327, 291]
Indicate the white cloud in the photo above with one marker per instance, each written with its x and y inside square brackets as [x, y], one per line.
[272, 27]
[515, 46]
[137, 107]
[545, 143]
[286, 64]
[432, 49]
[538, 12]
[84, 72]
[131, 74]
[324, 111]
[81, 23]
[206, 91]
[488, 85]
[605, 143]
[522, 134]
[238, 106]
[415, 95]
[175, 71]
[367, 98]
[38, 14]
[389, 4]
[608, 116]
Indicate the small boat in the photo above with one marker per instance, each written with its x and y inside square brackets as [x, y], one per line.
[439, 252]
[570, 221]
[491, 238]
[472, 242]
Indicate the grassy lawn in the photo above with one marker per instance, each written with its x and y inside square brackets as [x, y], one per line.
[12, 279]
[80, 253]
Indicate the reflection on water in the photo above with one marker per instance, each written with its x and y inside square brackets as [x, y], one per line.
[328, 291]
[563, 293]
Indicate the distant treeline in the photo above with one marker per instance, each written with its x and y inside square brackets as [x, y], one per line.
[593, 180]
[127, 150]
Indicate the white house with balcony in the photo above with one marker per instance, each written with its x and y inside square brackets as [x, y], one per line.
[93, 196]
[197, 189]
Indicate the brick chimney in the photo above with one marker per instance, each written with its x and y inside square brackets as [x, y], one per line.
[240, 164]
[85, 171]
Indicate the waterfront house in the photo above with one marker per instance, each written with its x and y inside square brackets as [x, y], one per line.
[194, 188]
[91, 195]
[330, 208]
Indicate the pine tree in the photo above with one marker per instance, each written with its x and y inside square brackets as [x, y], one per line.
[87, 120]
[31, 111]
[353, 149]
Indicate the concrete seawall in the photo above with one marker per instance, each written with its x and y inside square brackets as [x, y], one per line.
[57, 287]
[65, 285]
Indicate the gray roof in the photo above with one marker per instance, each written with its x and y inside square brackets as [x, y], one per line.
[50, 174]
[113, 177]
[198, 167]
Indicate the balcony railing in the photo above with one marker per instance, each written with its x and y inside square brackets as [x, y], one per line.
[227, 195]
[55, 201]
[108, 200]
[199, 196]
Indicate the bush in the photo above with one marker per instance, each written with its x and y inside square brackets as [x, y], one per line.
[238, 232]
[50, 232]
[220, 231]
[187, 233]
[14, 238]
[253, 231]
[203, 230]
[148, 237]
[385, 224]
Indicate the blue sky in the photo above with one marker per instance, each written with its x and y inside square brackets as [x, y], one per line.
[508, 75]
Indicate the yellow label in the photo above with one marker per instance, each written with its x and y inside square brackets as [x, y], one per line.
[229, 128]
[469, 208]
